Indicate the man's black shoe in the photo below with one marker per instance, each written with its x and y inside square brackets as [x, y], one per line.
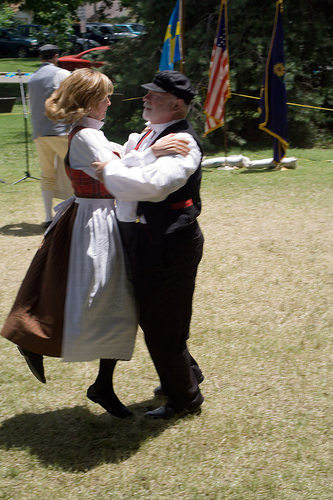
[110, 403]
[159, 391]
[35, 363]
[167, 412]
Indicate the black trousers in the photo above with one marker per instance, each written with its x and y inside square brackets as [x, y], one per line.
[163, 275]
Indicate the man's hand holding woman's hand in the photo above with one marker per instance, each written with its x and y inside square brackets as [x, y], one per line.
[99, 166]
[170, 145]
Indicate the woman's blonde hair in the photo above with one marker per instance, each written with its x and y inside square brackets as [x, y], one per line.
[77, 94]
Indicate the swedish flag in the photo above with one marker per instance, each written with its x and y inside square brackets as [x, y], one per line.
[172, 47]
[273, 103]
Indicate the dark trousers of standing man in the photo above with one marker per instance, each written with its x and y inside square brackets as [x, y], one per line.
[163, 275]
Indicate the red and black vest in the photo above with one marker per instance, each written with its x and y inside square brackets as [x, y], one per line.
[181, 208]
[84, 186]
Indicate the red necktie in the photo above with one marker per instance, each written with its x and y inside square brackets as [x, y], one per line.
[143, 138]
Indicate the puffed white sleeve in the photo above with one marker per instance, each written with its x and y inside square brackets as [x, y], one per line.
[89, 145]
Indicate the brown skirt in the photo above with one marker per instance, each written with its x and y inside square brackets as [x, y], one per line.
[36, 319]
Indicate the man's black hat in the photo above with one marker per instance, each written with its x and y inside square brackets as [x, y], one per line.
[48, 50]
[174, 82]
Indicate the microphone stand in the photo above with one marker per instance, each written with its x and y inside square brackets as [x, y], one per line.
[25, 118]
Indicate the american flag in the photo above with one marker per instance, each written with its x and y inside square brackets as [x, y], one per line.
[219, 86]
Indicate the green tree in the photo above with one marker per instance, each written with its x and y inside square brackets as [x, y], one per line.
[6, 15]
[55, 15]
[308, 49]
[308, 53]
[308, 45]
[58, 16]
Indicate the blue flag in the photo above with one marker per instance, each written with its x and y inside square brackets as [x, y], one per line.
[273, 101]
[172, 47]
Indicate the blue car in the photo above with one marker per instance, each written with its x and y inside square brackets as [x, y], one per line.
[13, 43]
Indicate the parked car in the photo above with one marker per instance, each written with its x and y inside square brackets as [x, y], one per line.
[80, 44]
[92, 33]
[115, 32]
[86, 59]
[135, 28]
[43, 34]
[13, 43]
[104, 28]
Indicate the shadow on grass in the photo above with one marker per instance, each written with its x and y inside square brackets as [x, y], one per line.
[243, 170]
[75, 439]
[21, 229]
[259, 170]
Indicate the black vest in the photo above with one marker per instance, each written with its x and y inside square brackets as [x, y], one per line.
[180, 208]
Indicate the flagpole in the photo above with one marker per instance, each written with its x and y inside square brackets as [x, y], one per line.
[181, 9]
[225, 134]
[225, 102]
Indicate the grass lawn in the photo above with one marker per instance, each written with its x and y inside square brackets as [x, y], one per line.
[261, 331]
[13, 65]
[25, 65]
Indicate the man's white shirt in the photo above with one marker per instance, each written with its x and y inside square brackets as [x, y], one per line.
[148, 178]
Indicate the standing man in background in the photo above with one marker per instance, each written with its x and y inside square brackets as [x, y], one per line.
[51, 138]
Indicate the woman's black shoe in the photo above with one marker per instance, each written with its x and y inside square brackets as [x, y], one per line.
[109, 402]
[35, 363]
